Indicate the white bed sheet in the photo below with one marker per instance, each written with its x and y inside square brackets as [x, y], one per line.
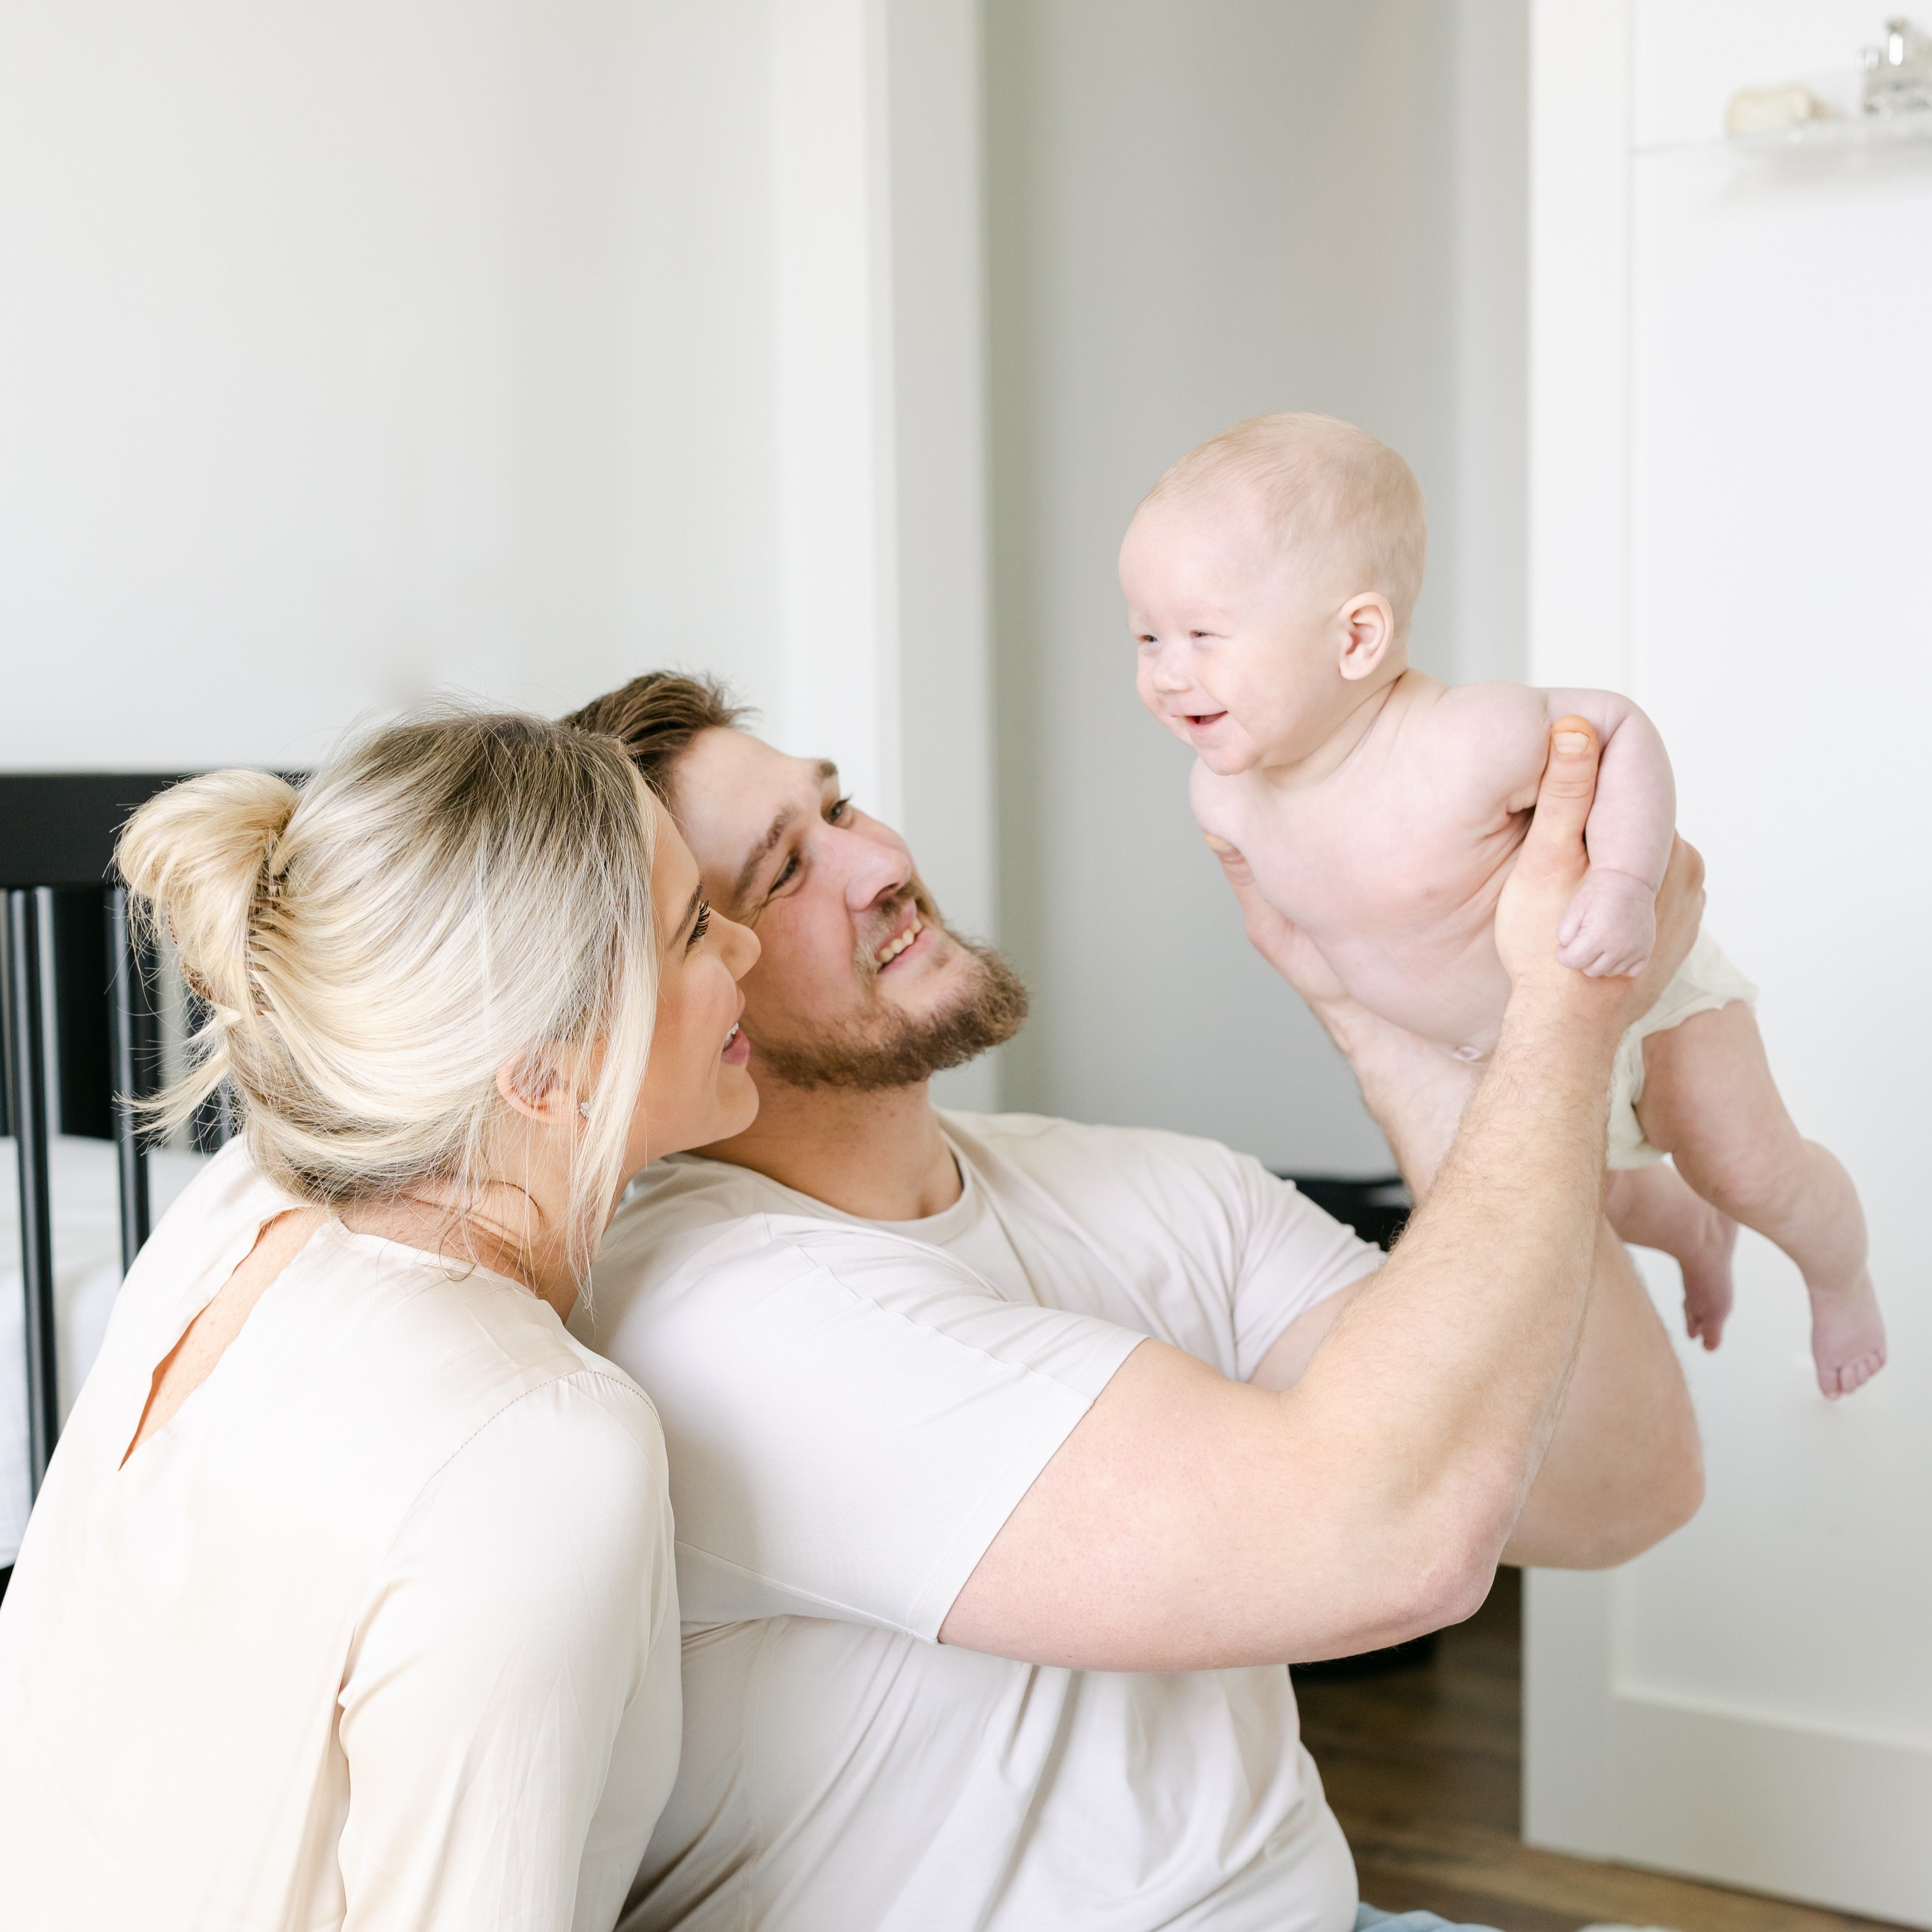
[87, 1277]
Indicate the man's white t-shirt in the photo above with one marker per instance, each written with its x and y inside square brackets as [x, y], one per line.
[852, 1409]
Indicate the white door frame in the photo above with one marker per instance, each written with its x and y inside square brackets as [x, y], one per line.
[1612, 1771]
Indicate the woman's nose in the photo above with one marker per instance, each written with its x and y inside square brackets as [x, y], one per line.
[739, 946]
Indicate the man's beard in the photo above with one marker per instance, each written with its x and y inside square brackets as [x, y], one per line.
[896, 1050]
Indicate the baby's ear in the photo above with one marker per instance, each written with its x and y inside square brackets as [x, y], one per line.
[1366, 623]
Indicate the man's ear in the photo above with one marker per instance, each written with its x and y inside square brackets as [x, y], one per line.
[1367, 626]
[533, 1084]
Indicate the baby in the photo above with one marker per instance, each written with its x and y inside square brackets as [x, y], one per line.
[1269, 576]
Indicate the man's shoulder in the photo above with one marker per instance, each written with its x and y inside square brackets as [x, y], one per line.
[692, 1189]
[695, 1237]
[685, 1205]
[1045, 1139]
[1099, 1174]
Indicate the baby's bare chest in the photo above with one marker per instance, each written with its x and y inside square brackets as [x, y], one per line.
[1391, 861]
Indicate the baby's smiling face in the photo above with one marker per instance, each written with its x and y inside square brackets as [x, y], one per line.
[1237, 657]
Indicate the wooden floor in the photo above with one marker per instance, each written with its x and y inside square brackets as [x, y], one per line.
[1422, 1766]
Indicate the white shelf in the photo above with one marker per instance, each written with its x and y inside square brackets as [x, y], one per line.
[1882, 133]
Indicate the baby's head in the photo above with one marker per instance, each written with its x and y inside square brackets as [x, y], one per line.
[1269, 576]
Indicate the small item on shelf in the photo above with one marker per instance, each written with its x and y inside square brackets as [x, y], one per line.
[1898, 71]
[1765, 110]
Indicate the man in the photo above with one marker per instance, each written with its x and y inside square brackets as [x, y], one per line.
[1013, 1460]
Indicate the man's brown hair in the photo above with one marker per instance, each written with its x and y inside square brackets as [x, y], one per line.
[656, 716]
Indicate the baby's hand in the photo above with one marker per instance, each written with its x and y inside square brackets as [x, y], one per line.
[1609, 930]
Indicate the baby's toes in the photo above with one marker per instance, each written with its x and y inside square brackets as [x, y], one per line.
[1852, 1374]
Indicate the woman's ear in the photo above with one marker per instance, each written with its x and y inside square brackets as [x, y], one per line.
[533, 1084]
[1367, 624]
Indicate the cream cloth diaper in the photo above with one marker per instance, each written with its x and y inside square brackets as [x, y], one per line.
[1705, 981]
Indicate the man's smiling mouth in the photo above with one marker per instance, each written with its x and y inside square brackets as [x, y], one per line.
[899, 941]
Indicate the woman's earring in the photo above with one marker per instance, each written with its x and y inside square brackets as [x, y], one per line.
[583, 1108]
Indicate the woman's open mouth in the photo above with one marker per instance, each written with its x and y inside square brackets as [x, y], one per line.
[737, 1044]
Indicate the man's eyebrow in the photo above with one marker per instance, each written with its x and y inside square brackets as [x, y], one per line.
[759, 853]
[776, 830]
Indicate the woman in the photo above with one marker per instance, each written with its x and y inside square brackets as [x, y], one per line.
[348, 1598]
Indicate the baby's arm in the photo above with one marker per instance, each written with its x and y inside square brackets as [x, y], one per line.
[1500, 736]
[1611, 925]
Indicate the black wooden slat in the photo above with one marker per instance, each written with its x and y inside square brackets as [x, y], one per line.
[137, 1050]
[26, 1068]
[83, 1036]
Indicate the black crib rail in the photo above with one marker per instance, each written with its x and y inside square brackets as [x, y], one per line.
[57, 834]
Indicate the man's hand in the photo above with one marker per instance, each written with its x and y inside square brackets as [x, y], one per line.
[1550, 868]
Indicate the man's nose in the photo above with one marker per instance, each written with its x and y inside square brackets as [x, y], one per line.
[878, 870]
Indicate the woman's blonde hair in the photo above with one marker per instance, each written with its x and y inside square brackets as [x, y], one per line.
[452, 895]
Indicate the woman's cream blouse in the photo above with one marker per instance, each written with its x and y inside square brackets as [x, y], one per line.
[380, 1631]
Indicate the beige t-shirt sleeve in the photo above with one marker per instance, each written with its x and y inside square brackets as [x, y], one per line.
[852, 1417]
[510, 1712]
[1291, 1255]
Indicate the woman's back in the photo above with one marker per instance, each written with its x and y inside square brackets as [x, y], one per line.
[407, 1539]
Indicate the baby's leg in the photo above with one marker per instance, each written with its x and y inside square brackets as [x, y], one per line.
[1654, 1206]
[1710, 1102]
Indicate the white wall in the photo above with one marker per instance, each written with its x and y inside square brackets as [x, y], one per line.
[1202, 209]
[349, 354]
[1732, 508]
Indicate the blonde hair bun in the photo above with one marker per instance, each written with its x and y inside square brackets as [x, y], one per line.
[206, 850]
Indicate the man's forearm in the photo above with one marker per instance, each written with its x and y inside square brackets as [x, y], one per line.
[1439, 1389]
[1189, 1522]
[1623, 1468]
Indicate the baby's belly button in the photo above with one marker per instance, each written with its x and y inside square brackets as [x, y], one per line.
[1466, 1052]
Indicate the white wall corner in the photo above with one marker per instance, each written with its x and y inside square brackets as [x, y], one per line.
[1579, 341]
[941, 519]
[1568, 1710]
[836, 488]
[882, 466]
[939, 319]
[1580, 88]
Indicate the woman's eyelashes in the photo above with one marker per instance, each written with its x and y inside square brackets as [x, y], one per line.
[700, 926]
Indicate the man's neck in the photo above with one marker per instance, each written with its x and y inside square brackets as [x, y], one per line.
[879, 1155]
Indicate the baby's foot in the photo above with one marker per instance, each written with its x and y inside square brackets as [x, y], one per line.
[1707, 1279]
[1847, 1335]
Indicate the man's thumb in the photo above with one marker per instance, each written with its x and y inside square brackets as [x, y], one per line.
[1569, 780]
